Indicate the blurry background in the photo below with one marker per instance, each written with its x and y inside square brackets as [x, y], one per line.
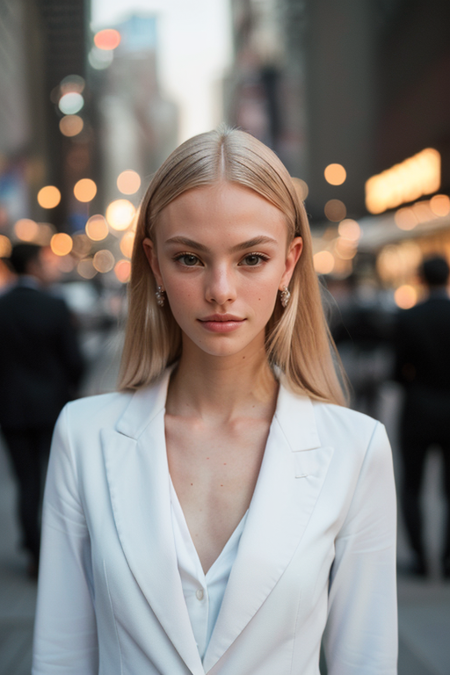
[353, 95]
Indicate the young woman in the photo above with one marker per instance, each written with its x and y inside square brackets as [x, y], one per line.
[224, 512]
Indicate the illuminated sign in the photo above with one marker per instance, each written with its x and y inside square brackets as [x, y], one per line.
[405, 182]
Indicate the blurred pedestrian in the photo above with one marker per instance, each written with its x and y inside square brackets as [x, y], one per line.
[40, 368]
[423, 367]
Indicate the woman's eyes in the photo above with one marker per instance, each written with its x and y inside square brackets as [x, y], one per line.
[254, 259]
[188, 259]
[250, 260]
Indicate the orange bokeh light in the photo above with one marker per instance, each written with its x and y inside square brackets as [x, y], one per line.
[85, 190]
[26, 229]
[48, 197]
[107, 39]
[71, 125]
[324, 262]
[61, 243]
[405, 296]
[126, 245]
[122, 270]
[5, 246]
[97, 228]
[120, 214]
[440, 205]
[335, 174]
[129, 182]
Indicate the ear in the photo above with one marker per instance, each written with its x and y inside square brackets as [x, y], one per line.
[150, 254]
[294, 252]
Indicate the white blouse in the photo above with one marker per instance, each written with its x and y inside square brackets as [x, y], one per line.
[203, 592]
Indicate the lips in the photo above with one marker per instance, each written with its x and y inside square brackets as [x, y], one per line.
[221, 323]
[221, 317]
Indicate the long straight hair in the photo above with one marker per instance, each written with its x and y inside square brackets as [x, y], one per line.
[298, 341]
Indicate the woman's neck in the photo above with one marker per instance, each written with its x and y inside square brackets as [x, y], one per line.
[220, 389]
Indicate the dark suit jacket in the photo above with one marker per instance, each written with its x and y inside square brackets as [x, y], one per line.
[423, 367]
[40, 359]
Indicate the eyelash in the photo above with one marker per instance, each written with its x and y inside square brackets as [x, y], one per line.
[261, 256]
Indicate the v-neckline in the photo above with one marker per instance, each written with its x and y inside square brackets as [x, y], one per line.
[209, 574]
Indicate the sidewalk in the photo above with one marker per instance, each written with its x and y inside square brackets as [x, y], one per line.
[424, 606]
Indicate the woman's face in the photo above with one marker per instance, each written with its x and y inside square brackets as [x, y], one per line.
[221, 255]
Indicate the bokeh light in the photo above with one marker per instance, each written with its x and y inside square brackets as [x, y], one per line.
[71, 125]
[103, 261]
[122, 270]
[323, 262]
[107, 39]
[335, 210]
[405, 219]
[99, 59]
[120, 214]
[440, 205]
[81, 245]
[44, 234]
[126, 244]
[416, 176]
[405, 296]
[423, 212]
[72, 83]
[129, 182]
[86, 269]
[66, 264]
[301, 187]
[48, 197]
[345, 249]
[26, 229]
[335, 174]
[61, 243]
[349, 229]
[97, 228]
[71, 103]
[85, 190]
[5, 246]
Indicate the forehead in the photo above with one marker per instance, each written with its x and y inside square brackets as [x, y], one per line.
[224, 209]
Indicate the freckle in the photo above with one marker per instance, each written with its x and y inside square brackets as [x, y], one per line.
[221, 485]
[192, 483]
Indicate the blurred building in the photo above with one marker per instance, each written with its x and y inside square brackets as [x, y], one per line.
[264, 91]
[362, 83]
[43, 58]
[355, 87]
[139, 127]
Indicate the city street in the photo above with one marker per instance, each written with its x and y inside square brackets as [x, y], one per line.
[424, 606]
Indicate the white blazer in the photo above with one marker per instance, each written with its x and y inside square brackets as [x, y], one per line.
[318, 549]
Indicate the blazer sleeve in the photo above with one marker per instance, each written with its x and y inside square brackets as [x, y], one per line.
[361, 633]
[65, 637]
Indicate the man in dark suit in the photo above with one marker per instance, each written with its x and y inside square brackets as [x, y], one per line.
[423, 367]
[40, 369]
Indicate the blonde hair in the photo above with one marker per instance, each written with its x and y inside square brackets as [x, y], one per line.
[297, 338]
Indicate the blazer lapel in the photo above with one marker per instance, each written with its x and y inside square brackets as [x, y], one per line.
[291, 476]
[137, 473]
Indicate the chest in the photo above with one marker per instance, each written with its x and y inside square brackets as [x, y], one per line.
[214, 473]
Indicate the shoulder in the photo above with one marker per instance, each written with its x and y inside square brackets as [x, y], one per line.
[350, 431]
[95, 412]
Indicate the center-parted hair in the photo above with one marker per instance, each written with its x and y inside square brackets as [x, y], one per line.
[297, 338]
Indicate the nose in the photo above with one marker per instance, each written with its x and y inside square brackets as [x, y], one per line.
[220, 286]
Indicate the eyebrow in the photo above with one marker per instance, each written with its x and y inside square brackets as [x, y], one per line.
[250, 243]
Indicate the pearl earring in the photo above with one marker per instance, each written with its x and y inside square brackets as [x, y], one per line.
[160, 296]
[285, 296]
